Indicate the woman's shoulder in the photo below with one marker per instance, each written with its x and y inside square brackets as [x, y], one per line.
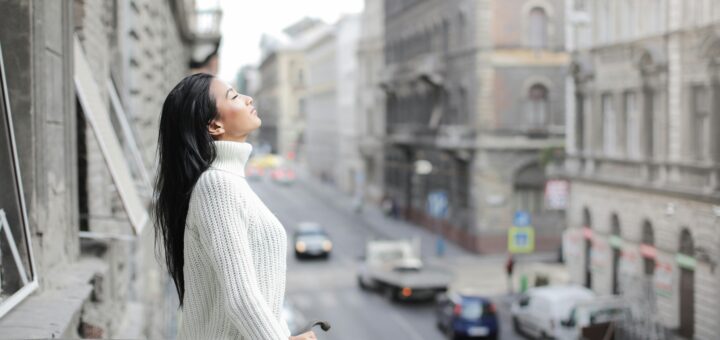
[218, 182]
[213, 178]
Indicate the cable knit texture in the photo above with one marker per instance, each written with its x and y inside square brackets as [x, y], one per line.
[235, 256]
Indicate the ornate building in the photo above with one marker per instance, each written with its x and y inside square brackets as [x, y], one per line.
[643, 155]
[476, 88]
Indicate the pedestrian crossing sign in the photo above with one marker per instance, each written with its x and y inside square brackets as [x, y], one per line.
[521, 240]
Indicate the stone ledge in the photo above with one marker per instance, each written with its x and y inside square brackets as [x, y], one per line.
[55, 311]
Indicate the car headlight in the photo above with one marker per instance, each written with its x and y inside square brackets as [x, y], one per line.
[327, 245]
[300, 246]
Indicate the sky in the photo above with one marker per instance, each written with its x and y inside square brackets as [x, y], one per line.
[244, 22]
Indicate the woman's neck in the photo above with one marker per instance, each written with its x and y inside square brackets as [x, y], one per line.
[231, 156]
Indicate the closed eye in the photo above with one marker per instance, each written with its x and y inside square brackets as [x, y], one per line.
[235, 96]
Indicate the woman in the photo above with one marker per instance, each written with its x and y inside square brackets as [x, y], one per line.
[224, 249]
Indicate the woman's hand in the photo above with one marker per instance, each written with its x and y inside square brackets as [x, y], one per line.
[305, 336]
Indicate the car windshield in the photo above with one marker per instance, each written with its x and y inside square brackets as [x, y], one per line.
[312, 237]
[472, 309]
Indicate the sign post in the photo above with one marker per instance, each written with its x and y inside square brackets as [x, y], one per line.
[437, 208]
[521, 236]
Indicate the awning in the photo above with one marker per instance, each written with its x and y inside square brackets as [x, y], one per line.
[97, 115]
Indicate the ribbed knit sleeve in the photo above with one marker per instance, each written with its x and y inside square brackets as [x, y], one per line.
[223, 234]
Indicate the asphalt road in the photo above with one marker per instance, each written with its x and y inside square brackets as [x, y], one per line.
[327, 289]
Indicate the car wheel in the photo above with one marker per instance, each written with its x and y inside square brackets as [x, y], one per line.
[389, 294]
[516, 326]
[361, 283]
[450, 333]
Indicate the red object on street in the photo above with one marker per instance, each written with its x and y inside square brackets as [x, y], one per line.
[510, 265]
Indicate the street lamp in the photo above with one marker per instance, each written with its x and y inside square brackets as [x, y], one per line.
[437, 204]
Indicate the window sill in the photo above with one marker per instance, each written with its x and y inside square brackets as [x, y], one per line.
[55, 311]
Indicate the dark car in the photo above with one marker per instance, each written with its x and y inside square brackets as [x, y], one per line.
[311, 241]
[466, 316]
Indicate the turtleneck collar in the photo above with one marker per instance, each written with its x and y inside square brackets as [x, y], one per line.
[231, 156]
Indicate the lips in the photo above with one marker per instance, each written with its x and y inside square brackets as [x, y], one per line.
[254, 111]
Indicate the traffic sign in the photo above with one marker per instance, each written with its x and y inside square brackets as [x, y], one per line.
[521, 239]
[521, 219]
[437, 204]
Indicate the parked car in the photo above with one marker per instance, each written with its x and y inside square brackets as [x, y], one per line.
[592, 319]
[283, 175]
[311, 240]
[254, 173]
[538, 312]
[466, 315]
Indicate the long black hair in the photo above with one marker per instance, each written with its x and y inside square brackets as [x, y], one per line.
[185, 150]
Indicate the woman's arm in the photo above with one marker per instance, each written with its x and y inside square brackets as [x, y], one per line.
[223, 235]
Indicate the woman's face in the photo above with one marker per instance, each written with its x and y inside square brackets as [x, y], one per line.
[237, 116]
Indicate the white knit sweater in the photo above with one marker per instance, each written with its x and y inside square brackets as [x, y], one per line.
[235, 257]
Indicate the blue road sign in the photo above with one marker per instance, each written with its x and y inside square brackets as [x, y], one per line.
[521, 219]
[437, 204]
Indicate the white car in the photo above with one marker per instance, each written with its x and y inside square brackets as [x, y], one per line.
[595, 316]
[539, 312]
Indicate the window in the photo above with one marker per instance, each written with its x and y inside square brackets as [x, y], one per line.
[580, 5]
[632, 126]
[609, 125]
[649, 122]
[648, 239]
[604, 22]
[529, 183]
[537, 110]
[538, 28]
[579, 122]
[17, 277]
[700, 127]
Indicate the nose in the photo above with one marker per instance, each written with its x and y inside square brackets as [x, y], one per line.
[250, 100]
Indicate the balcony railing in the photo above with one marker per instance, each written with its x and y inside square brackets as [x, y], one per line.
[681, 177]
[206, 24]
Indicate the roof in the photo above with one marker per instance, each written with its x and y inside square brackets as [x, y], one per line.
[557, 293]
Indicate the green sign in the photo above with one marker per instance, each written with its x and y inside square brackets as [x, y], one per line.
[615, 241]
[685, 261]
[521, 240]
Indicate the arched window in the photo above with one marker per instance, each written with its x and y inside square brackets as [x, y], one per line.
[587, 223]
[648, 239]
[687, 285]
[537, 108]
[538, 28]
[616, 252]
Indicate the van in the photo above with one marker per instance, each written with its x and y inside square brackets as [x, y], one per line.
[539, 312]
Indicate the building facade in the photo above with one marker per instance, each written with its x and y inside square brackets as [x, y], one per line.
[476, 88]
[283, 82]
[321, 124]
[349, 166]
[86, 81]
[370, 111]
[643, 156]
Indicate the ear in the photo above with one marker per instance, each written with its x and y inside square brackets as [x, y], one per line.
[215, 128]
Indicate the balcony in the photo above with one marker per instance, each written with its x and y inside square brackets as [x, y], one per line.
[206, 24]
[199, 22]
[689, 178]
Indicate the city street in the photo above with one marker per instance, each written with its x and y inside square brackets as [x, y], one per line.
[327, 290]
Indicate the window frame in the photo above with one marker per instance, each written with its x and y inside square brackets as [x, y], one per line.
[18, 296]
